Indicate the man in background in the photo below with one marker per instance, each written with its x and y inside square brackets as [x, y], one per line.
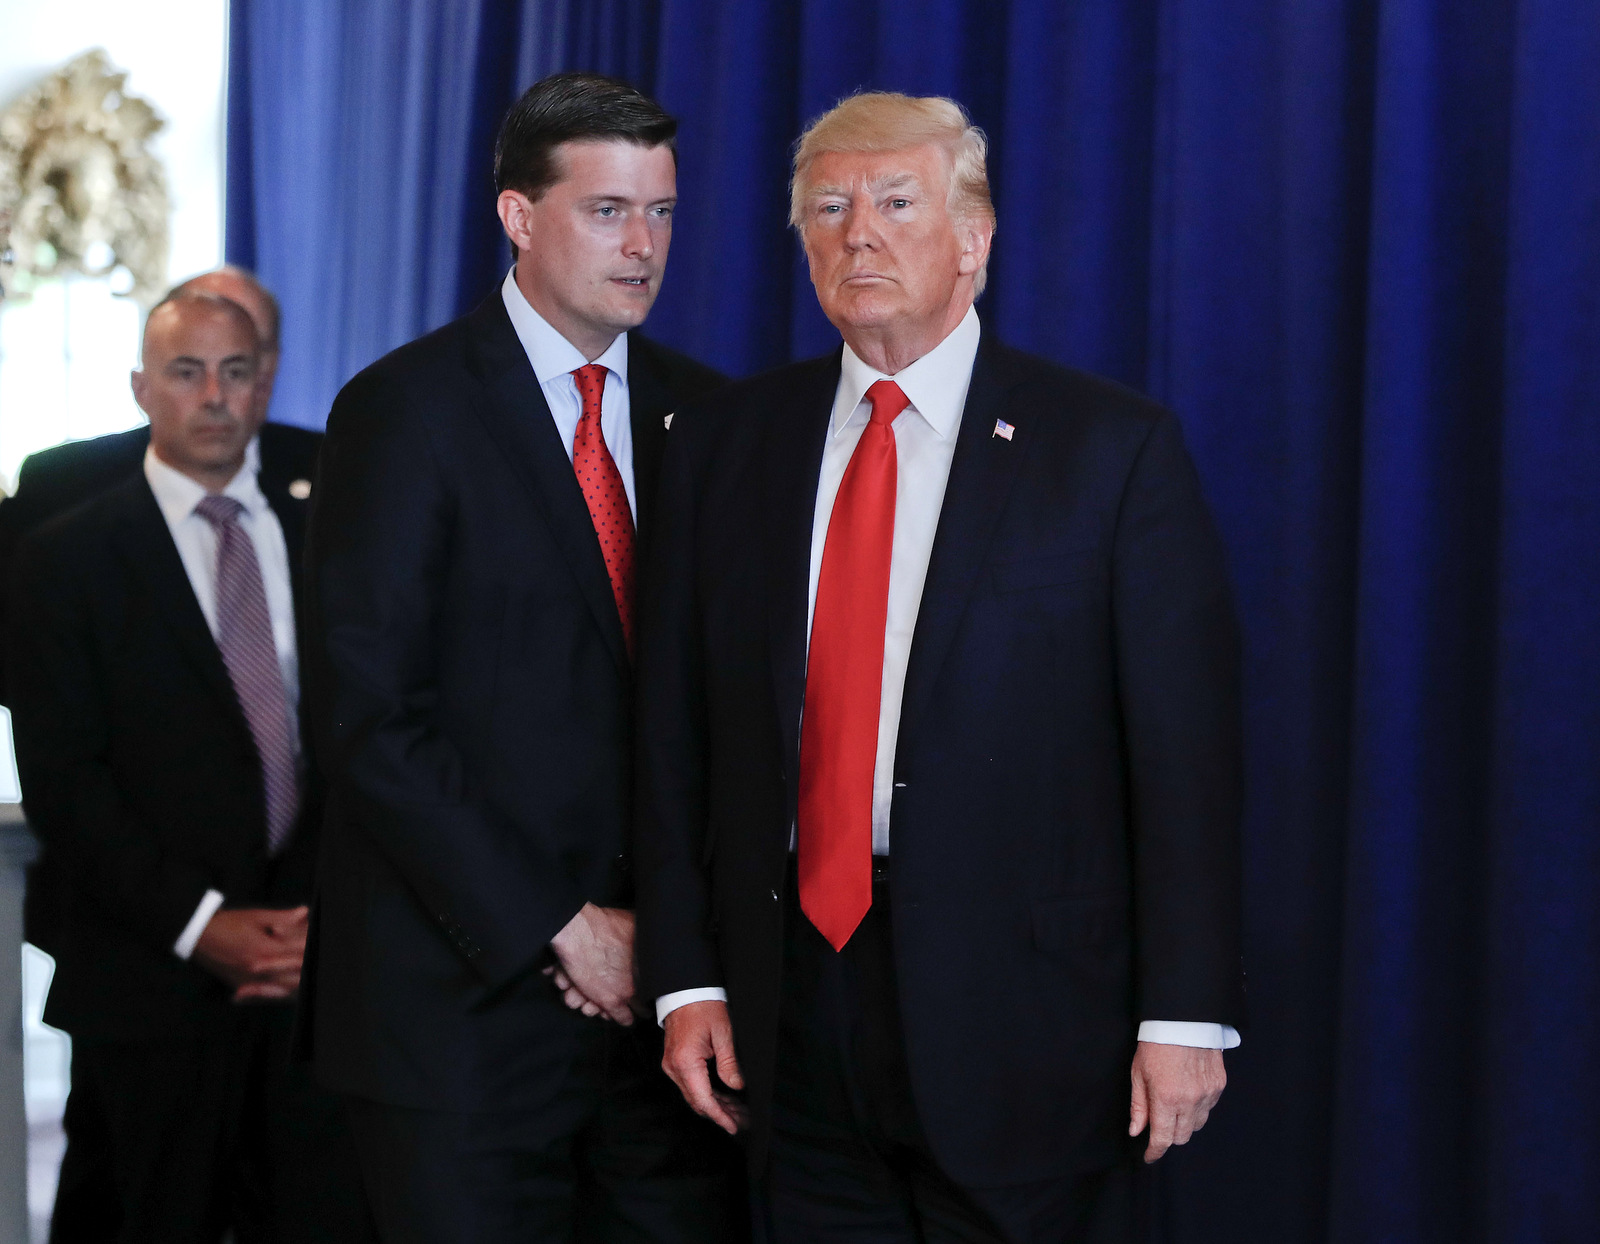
[52, 482]
[155, 686]
[939, 762]
[484, 495]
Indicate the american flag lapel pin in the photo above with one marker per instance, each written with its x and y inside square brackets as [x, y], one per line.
[1002, 429]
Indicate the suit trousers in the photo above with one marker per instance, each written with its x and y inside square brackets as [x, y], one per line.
[199, 1134]
[616, 1156]
[849, 1157]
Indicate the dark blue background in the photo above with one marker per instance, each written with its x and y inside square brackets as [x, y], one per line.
[1357, 246]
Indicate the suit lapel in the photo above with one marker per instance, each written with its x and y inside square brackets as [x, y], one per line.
[519, 420]
[796, 432]
[649, 404]
[981, 476]
[146, 542]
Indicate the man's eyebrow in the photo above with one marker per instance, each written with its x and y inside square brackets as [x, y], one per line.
[823, 191]
[191, 360]
[889, 181]
[595, 199]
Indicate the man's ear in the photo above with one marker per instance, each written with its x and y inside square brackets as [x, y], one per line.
[140, 382]
[975, 240]
[516, 217]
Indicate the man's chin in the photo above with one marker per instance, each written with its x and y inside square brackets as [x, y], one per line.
[623, 318]
[865, 311]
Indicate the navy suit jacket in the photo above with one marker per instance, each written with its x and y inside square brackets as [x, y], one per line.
[1064, 831]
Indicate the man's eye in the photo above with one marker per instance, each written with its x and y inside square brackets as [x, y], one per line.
[831, 209]
[608, 211]
[663, 212]
[899, 202]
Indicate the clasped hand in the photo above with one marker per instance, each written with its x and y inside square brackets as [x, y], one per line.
[257, 950]
[594, 963]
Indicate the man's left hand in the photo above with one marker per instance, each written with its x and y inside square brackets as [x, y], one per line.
[1174, 1090]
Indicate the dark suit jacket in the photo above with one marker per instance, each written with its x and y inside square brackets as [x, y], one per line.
[55, 480]
[472, 704]
[1063, 842]
[138, 768]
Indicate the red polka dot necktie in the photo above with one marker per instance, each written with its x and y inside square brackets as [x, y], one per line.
[605, 494]
[844, 682]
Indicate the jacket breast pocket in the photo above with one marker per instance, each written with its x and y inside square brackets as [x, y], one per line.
[1055, 570]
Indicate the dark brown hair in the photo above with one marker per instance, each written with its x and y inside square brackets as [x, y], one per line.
[568, 107]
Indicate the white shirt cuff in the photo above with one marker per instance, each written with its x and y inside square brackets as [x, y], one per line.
[667, 1003]
[184, 946]
[1185, 1032]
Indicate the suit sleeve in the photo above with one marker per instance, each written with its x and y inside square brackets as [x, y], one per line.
[64, 742]
[1178, 678]
[377, 574]
[674, 948]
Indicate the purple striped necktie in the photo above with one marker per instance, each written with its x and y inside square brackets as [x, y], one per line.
[244, 636]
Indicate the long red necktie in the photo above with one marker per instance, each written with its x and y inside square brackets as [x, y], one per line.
[605, 494]
[844, 682]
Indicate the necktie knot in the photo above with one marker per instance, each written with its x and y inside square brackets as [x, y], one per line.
[219, 511]
[887, 402]
[591, 382]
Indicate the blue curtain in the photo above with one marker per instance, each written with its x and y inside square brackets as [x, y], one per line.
[1356, 244]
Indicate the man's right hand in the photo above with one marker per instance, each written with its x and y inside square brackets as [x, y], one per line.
[257, 950]
[695, 1034]
[594, 968]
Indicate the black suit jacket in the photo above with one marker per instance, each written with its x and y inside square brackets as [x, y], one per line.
[53, 481]
[1063, 842]
[138, 769]
[472, 704]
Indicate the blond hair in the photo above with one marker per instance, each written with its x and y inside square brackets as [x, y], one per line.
[890, 121]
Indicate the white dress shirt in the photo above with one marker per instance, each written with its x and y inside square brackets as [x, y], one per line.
[196, 539]
[925, 443]
[554, 359]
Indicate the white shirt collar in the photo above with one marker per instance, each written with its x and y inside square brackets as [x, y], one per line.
[550, 353]
[177, 494]
[936, 384]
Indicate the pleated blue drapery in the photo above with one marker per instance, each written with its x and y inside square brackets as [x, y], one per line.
[1356, 245]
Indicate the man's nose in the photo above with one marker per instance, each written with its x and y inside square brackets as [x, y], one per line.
[637, 243]
[213, 392]
[860, 231]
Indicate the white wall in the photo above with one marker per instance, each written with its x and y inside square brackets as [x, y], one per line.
[65, 356]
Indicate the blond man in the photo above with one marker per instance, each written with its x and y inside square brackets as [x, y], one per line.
[940, 773]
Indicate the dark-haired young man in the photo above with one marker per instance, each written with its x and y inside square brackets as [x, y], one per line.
[483, 498]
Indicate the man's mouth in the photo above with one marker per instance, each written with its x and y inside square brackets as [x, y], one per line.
[637, 282]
